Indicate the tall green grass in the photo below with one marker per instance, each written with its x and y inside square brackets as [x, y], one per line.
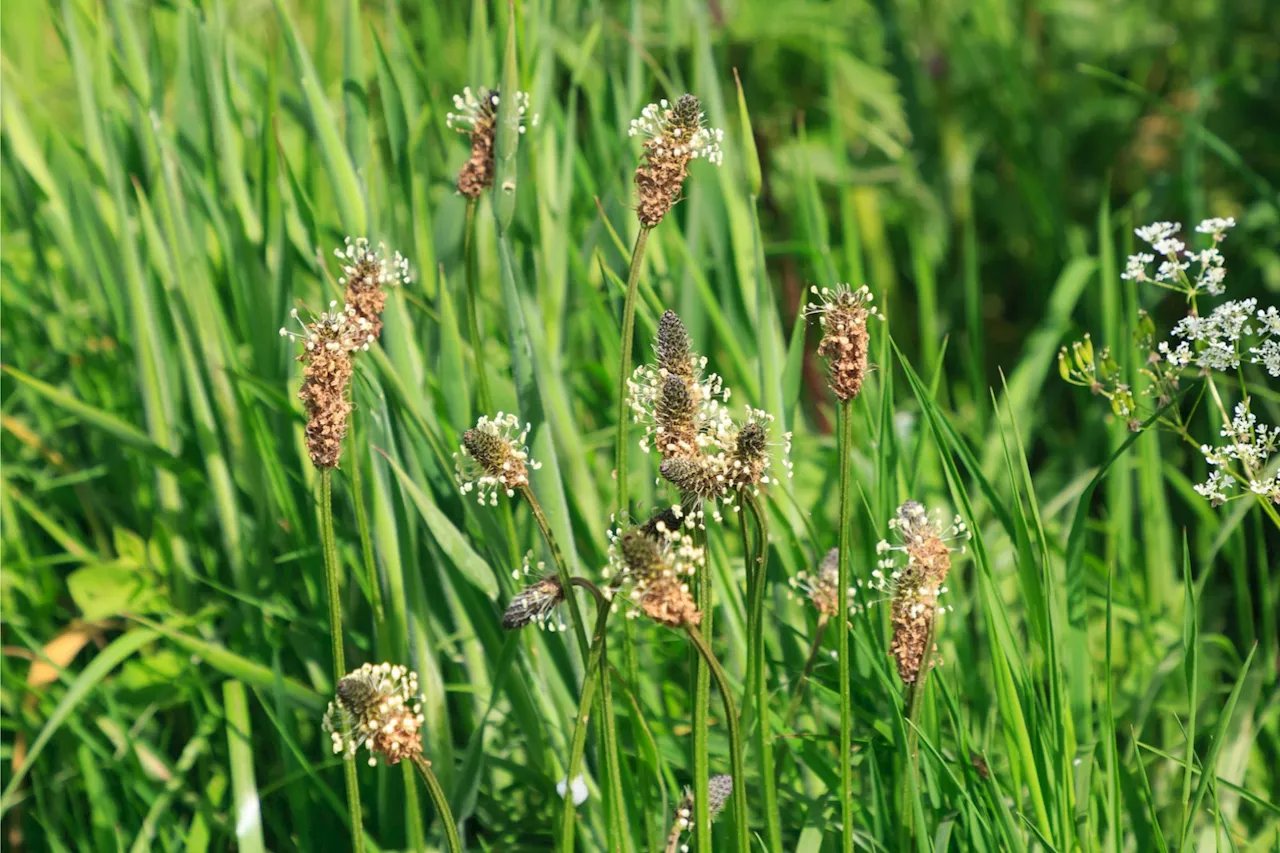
[173, 178]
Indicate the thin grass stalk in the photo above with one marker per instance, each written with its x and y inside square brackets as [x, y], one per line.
[737, 764]
[613, 761]
[438, 799]
[624, 363]
[562, 567]
[701, 711]
[797, 696]
[845, 417]
[757, 569]
[472, 268]
[595, 656]
[333, 591]
[366, 549]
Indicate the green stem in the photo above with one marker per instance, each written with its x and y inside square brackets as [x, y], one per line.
[595, 657]
[333, 593]
[701, 713]
[441, 803]
[757, 569]
[624, 364]
[845, 417]
[366, 550]
[413, 813]
[735, 740]
[915, 703]
[797, 694]
[473, 308]
[562, 567]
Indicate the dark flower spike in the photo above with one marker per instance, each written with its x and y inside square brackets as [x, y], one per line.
[493, 458]
[537, 602]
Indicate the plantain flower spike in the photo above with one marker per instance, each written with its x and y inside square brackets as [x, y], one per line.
[842, 313]
[915, 584]
[378, 706]
[651, 566]
[719, 789]
[328, 342]
[537, 602]
[674, 135]
[366, 270]
[477, 116]
[822, 587]
[493, 458]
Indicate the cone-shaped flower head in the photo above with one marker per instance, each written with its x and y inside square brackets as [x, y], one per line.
[843, 314]
[378, 706]
[719, 789]
[493, 458]
[477, 116]
[914, 583]
[683, 412]
[651, 565]
[328, 341]
[366, 270]
[537, 602]
[674, 135]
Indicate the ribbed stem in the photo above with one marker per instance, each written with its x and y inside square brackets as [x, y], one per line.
[624, 364]
[333, 592]
[757, 570]
[472, 268]
[843, 454]
[735, 741]
[702, 711]
[595, 659]
[441, 803]
[366, 550]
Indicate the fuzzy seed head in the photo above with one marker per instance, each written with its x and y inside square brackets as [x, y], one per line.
[842, 313]
[672, 347]
[493, 458]
[822, 587]
[366, 271]
[674, 135]
[650, 566]
[536, 603]
[477, 116]
[378, 706]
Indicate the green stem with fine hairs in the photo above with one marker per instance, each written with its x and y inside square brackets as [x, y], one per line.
[702, 709]
[441, 803]
[333, 591]
[472, 268]
[596, 658]
[757, 561]
[843, 454]
[735, 740]
[624, 363]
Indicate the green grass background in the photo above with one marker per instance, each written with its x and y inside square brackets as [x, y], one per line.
[174, 177]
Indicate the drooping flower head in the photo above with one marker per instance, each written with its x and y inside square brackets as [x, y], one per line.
[493, 458]
[477, 116]
[719, 789]
[537, 602]
[650, 565]
[328, 341]
[366, 270]
[842, 313]
[378, 706]
[674, 135]
[914, 583]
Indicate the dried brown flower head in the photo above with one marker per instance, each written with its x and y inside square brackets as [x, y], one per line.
[822, 587]
[914, 587]
[652, 563]
[537, 602]
[477, 116]
[675, 135]
[843, 315]
[365, 272]
[328, 341]
[493, 457]
[377, 706]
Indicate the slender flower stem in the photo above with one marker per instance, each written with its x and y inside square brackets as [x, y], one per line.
[915, 702]
[735, 740]
[366, 550]
[472, 268]
[441, 803]
[797, 692]
[757, 569]
[624, 363]
[845, 417]
[595, 661]
[562, 567]
[333, 591]
[701, 713]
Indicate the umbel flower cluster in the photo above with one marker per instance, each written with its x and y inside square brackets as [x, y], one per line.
[328, 342]
[912, 573]
[493, 458]
[1242, 460]
[719, 789]
[674, 135]
[650, 566]
[366, 270]
[378, 706]
[477, 116]
[706, 454]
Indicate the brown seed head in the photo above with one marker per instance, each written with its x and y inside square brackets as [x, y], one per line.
[843, 314]
[675, 136]
[377, 706]
[535, 603]
[365, 272]
[654, 562]
[494, 458]
[477, 116]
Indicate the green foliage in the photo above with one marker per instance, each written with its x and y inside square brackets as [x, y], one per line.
[173, 180]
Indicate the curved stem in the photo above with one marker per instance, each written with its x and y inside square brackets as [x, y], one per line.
[842, 616]
[562, 567]
[757, 569]
[473, 308]
[624, 363]
[329, 546]
[595, 657]
[441, 803]
[735, 740]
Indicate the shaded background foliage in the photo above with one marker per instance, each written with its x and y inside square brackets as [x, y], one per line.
[175, 175]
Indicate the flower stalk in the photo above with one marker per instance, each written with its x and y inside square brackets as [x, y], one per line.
[472, 270]
[843, 454]
[624, 365]
[743, 842]
[440, 801]
[757, 561]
